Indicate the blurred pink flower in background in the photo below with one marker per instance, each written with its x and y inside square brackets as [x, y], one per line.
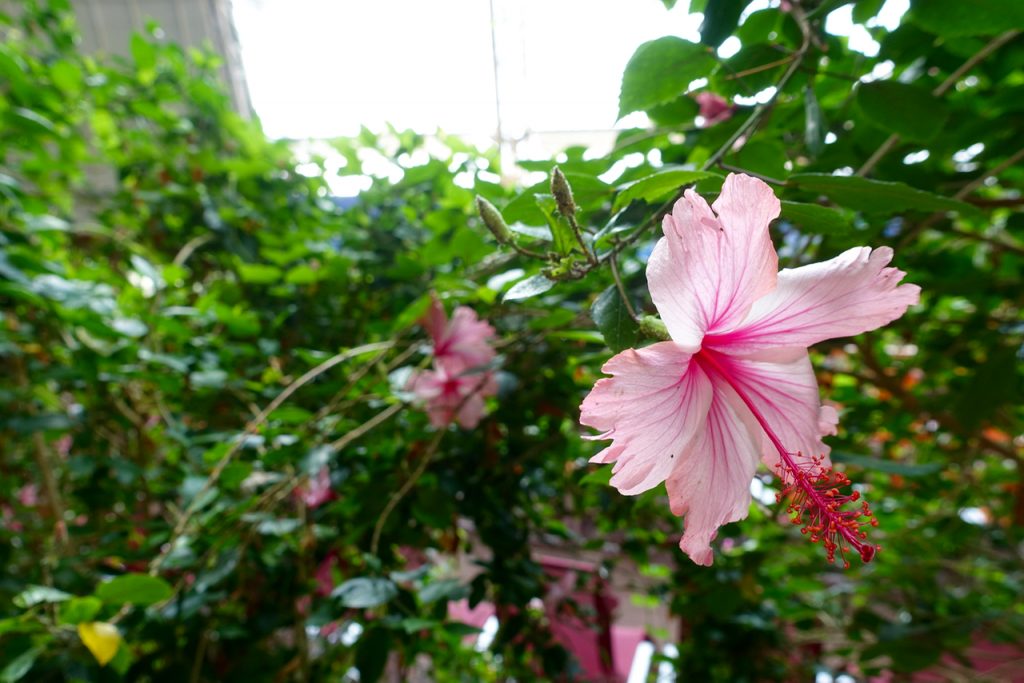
[28, 495]
[460, 343]
[317, 490]
[713, 108]
[455, 388]
[453, 397]
[735, 384]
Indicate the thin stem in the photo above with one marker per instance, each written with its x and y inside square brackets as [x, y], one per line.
[250, 429]
[41, 453]
[614, 263]
[939, 91]
[398, 495]
[354, 434]
[755, 118]
[591, 258]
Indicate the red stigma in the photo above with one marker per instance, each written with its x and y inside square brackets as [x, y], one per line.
[823, 511]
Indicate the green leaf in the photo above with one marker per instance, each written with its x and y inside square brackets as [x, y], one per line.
[35, 595]
[415, 624]
[905, 469]
[80, 609]
[597, 477]
[67, 77]
[766, 157]
[876, 196]
[20, 665]
[620, 331]
[365, 592]
[657, 186]
[952, 18]
[816, 219]
[562, 238]
[134, 589]
[446, 589]
[907, 110]
[372, 654]
[411, 313]
[720, 19]
[259, 273]
[531, 286]
[35, 120]
[660, 70]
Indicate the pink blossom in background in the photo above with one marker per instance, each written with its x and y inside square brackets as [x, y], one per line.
[28, 495]
[459, 343]
[317, 490]
[735, 383]
[455, 388]
[453, 396]
[713, 108]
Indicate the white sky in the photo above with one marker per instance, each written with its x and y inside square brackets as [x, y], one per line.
[321, 68]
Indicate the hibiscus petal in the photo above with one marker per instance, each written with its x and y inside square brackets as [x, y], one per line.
[651, 408]
[711, 482]
[852, 293]
[707, 271]
[786, 396]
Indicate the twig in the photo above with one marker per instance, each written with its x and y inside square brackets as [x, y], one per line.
[939, 91]
[250, 429]
[41, 453]
[397, 496]
[354, 434]
[614, 263]
[962, 193]
[755, 118]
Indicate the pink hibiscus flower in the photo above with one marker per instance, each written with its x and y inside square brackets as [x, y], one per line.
[713, 108]
[459, 343]
[453, 396]
[735, 384]
[316, 491]
[455, 389]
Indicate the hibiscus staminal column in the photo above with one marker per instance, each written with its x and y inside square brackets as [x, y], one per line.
[813, 490]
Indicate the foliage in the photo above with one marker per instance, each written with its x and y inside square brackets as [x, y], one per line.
[191, 330]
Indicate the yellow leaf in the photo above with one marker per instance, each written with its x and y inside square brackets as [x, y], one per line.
[101, 638]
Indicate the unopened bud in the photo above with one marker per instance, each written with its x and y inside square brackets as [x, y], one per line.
[491, 217]
[653, 328]
[562, 192]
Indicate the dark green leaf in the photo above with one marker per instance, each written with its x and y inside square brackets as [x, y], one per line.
[657, 186]
[816, 219]
[907, 110]
[950, 18]
[134, 589]
[720, 20]
[871, 464]
[876, 196]
[531, 286]
[609, 312]
[372, 654]
[659, 71]
[445, 589]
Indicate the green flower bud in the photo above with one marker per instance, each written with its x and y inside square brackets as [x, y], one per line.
[562, 192]
[491, 217]
[653, 328]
